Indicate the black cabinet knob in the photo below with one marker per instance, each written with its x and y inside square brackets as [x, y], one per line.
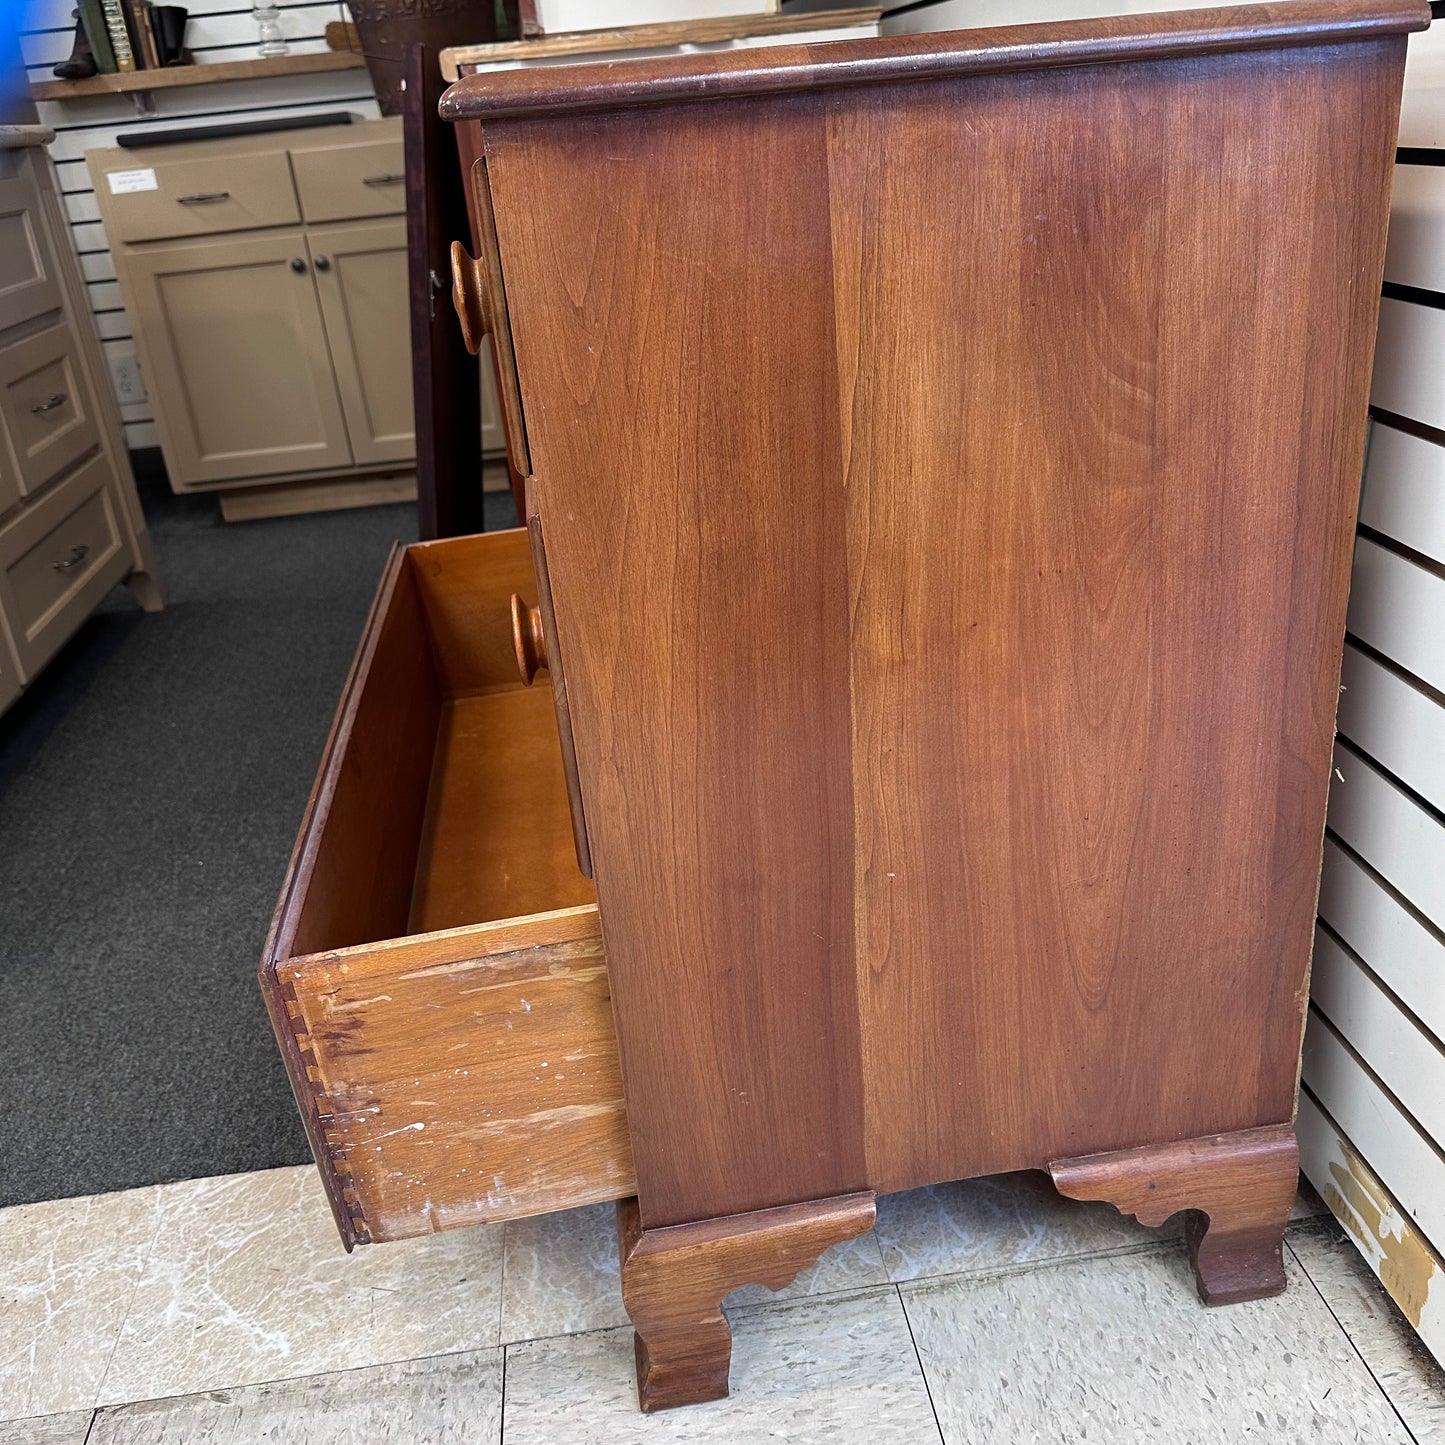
[298, 265]
[323, 263]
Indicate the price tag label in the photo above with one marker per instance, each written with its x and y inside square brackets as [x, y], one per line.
[122, 183]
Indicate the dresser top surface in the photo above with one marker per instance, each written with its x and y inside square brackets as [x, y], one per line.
[902, 58]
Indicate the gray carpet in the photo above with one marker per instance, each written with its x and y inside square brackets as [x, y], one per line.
[151, 784]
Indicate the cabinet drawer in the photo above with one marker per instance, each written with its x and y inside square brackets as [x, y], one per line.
[196, 197]
[350, 182]
[46, 412]
[435, 971]
[57, 560]
[27, 272]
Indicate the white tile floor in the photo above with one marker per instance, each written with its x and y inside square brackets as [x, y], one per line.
[993, 1311]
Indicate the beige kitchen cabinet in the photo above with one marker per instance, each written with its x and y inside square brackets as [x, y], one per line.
[266, 281]
[360, 270]
[70, 522]
[236, 358]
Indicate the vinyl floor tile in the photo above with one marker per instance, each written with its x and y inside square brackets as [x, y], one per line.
[248, 1282]
[1118, 1349]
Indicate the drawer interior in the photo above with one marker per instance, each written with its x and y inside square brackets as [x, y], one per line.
[447, 805]
[435, 972]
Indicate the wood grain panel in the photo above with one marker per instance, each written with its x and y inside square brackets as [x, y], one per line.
[942, 748]
[681, 382]
[1068, 568]
[467, 1078]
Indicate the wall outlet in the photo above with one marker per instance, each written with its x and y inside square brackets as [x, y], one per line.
[125, 372]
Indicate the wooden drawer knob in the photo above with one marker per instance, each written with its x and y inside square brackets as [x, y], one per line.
[469, 296]
[528, 640]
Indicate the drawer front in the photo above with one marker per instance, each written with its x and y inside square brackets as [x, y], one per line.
[28, 286]
[196, 197]
[57, 560]
[457, 1091]
[48, 419]
[462, 1068]
[350, 182]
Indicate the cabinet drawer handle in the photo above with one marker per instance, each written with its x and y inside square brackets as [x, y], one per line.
[322, 263]
[78, 554]
[199, 198]
[469, 296]
[389, 179]
[528, 639]
[55, 399]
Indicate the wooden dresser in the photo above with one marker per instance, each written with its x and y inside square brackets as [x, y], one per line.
[943, 455]
[70, 522]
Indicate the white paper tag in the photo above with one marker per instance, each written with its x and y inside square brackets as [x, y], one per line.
[122, 183]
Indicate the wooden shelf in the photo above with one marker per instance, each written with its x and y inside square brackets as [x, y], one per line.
[261, 68]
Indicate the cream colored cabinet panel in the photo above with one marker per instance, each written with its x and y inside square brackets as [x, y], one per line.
[231, 341]
[198, 196]
[339, 182]
[57, 560]
[9, 487]
[49, 419]
[361, 279]
[9, 669]
[27, 277]
[494, 438]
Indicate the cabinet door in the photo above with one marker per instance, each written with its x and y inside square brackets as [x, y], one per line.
[230, 336]
[361, 280]
[27, 273]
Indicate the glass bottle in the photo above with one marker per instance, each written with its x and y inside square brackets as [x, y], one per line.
[268, 22]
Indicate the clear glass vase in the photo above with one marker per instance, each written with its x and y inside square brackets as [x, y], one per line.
[268, 23]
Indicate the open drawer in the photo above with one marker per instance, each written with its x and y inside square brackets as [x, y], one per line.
[435, 973]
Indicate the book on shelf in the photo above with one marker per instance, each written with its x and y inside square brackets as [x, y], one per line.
[142, 34]
[92, 17]
[119, 35]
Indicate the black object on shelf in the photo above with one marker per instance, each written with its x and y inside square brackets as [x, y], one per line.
[81, 64]
[134, 139]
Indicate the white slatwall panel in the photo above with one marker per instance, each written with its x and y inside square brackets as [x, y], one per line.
[1403, 1056]
[1388, 1241]
[1404, 494]
[1385, 714]
[218, 30]
[1397, 606]
[1415, 255]
[1408, 1164]
[1400, 949]
[1409, 377]
[1422, 110]
[1401, 840]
